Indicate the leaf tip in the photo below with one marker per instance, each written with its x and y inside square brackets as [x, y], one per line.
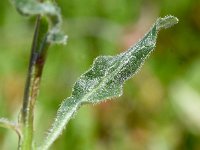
[166, 22]
[57, 38]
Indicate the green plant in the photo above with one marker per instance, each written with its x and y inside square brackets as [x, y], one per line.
[103, 81]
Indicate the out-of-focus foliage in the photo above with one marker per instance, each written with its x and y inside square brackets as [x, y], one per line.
[48, 9]
[159, 108]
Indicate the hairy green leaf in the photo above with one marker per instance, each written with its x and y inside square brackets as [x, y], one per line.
[48, 9]
[105, 78]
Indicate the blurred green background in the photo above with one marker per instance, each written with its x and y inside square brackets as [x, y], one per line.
[160, 107]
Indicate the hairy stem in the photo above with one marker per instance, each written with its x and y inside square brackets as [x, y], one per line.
[36, 64]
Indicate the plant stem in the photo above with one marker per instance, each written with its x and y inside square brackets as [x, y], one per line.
[36, 64]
